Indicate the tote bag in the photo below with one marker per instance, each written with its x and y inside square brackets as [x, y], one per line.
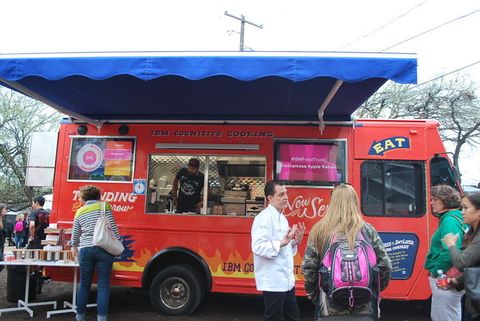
[103, 235]
[472, 286]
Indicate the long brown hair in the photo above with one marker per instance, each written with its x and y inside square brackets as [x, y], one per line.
[474, 198]
[2, 206]
[342, 216]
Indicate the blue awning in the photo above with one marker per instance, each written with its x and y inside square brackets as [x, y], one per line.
[204, 86]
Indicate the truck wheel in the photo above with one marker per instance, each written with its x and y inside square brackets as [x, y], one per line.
[176, 290]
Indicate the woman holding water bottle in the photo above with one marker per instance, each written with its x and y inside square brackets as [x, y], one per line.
[470, 254]
[446, 302]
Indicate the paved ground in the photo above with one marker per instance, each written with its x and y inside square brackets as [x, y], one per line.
[132, 304]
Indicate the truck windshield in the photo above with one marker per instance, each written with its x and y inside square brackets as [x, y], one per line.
[441, 172]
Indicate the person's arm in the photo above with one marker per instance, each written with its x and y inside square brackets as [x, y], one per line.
[31, 226]
[262, 244]
[76, 231]
[384, 264]
[199, 205]
[75, 241]
[175, 191]
[310, 268]
[448, 225]
[468, 257]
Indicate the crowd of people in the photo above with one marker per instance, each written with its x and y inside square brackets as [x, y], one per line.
[28, 229]
[342, 245]
[30, 232]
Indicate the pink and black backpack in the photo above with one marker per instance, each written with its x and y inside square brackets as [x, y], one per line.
[349, 277]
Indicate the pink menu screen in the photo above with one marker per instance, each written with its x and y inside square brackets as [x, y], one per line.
[307, 162]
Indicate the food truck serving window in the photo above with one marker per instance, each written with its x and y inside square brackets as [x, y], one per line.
[308, 163]
[102, 159]
[230, 185]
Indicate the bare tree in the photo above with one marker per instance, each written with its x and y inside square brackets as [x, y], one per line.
[452, 102]
[20, 116]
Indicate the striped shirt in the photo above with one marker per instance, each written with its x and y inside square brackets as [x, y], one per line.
[84, 223]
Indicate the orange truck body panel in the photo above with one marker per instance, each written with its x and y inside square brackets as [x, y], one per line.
[221, 242]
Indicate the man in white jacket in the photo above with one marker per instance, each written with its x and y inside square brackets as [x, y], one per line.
[274, 244]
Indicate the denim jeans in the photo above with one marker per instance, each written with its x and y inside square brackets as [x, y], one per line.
[19, 239]
[90, 258]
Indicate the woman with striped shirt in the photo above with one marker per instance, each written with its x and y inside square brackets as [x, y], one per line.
[92, 257]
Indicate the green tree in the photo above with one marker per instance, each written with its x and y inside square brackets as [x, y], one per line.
[20, 116]
[453, 102]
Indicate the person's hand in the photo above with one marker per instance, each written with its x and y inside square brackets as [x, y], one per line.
[288, 236]
[300, 231]
[74, 251]
[452, 282]
[450, 240]
[447, 285]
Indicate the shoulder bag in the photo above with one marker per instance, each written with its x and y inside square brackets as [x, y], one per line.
[472, 286]
[103, 235]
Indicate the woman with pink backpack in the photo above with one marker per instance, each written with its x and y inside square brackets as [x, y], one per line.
[20, 231]
[345, 263]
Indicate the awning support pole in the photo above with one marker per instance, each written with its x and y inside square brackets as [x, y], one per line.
[326, 102]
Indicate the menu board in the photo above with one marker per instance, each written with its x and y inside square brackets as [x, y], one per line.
[102, 159]
[402, 251]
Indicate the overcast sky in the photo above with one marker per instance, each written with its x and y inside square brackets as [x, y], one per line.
[301, 25]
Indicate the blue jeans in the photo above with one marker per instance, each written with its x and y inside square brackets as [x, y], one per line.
[19, 239]
[90, 258]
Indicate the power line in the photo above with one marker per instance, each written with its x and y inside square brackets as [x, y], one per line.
[438, 77]
[383, 26]
[434, 28]
[447, 74]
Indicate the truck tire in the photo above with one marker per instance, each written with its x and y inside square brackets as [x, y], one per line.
[177, 290]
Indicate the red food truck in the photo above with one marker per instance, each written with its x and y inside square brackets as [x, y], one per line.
[136, 120]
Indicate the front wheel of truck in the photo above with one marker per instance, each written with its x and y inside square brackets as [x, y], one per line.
[176, 290]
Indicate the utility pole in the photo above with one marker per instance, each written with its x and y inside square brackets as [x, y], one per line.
[242, 27]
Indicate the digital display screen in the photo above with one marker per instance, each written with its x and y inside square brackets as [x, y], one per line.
[102, 159]
[305, 162]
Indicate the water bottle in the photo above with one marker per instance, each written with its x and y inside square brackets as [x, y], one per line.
[442, 282]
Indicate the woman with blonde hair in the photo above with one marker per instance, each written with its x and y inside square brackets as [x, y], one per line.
[342, 218]
[20, 230]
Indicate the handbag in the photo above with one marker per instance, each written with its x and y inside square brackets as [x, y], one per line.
[472, 286]
[103, 235]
